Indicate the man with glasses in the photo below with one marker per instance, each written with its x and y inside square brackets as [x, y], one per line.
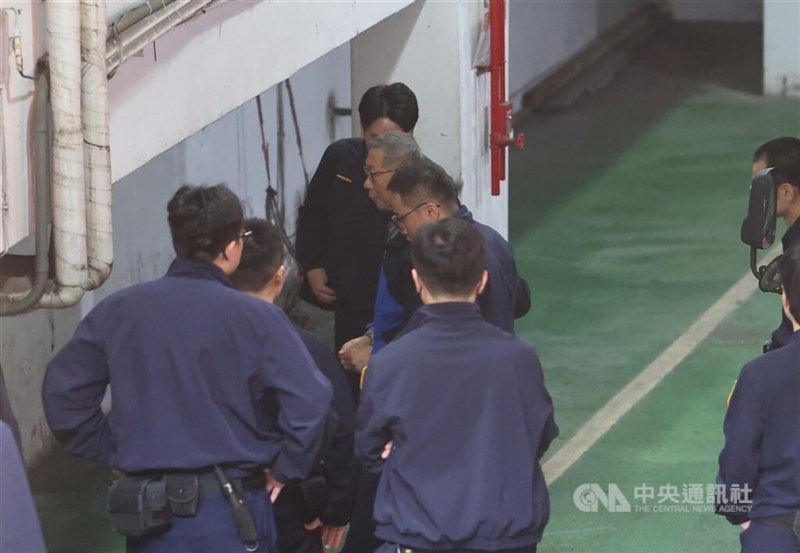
[386, 153]
[190, 360]
[340, 231]
[422, 193]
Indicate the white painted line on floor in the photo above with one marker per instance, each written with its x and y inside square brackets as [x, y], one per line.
[602, 421]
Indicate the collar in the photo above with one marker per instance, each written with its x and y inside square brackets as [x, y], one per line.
[792, 235]
[795, 337]
[452, 310]
[185, 267]
[464, 214]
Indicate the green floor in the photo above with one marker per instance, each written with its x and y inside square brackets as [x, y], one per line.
[625, 219]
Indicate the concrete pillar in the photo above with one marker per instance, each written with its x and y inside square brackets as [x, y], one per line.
[782, 48]
[430, 46]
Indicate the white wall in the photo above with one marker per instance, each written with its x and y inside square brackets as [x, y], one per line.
[717, 10]
[453, 97]
[782, 48]
[546, 33]
[228, 150]
[194, 75]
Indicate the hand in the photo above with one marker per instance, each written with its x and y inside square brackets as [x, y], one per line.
[318, 280]
[274, 487]
[332, 536]
[745, 525]
[355, 354]
[387, 450]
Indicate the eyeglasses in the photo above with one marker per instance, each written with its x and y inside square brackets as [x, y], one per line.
[372, 174]
[245, 234]
[399, 219]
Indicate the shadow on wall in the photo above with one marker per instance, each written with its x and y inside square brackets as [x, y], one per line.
[568, 149]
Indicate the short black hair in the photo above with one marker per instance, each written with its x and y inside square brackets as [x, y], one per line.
[790, 279]
[262, 256]
[783, 155]
[394, 101]
[421, 180]
[449, 256]
[203, 220]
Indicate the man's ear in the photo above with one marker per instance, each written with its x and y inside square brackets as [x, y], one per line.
[418, 284]
[280, 276]
[789, 192]
[226, 253]
[483, 282]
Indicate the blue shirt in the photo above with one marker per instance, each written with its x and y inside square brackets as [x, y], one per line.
[190, 361]
[762, 438]
[465, 405]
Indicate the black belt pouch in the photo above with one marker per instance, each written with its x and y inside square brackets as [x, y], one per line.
[184, 494]
[138, 507]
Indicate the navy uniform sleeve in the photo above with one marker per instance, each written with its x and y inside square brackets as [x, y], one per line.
[75, 382]
[523, 298]
[18, 520]
[314, 215]
[304, 396]
[372, 419]
[545, 404]
[341, 468]
[738, 461]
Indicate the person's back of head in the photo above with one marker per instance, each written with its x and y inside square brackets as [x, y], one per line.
[421, 180]
[399, 148]
[203, 220]
[783, 155]
[449, 258]
[393, 101]
[262, 256]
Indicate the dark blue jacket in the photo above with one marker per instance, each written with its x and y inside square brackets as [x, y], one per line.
[340, 229]
[782, 334]
[762, 438]
[19, 524]
[505, 298]
[340, 465]
[189, 360]
[507, 295]
[467, 410]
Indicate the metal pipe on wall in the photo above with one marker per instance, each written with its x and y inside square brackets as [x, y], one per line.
[68, 183]
[97, 151]
[137, 36]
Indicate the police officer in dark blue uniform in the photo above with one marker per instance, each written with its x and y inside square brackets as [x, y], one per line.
[19, 524]
[759, 467]
[190, 361]
[783, 155]
[340, 231]
[316, 511]
[455, 414]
